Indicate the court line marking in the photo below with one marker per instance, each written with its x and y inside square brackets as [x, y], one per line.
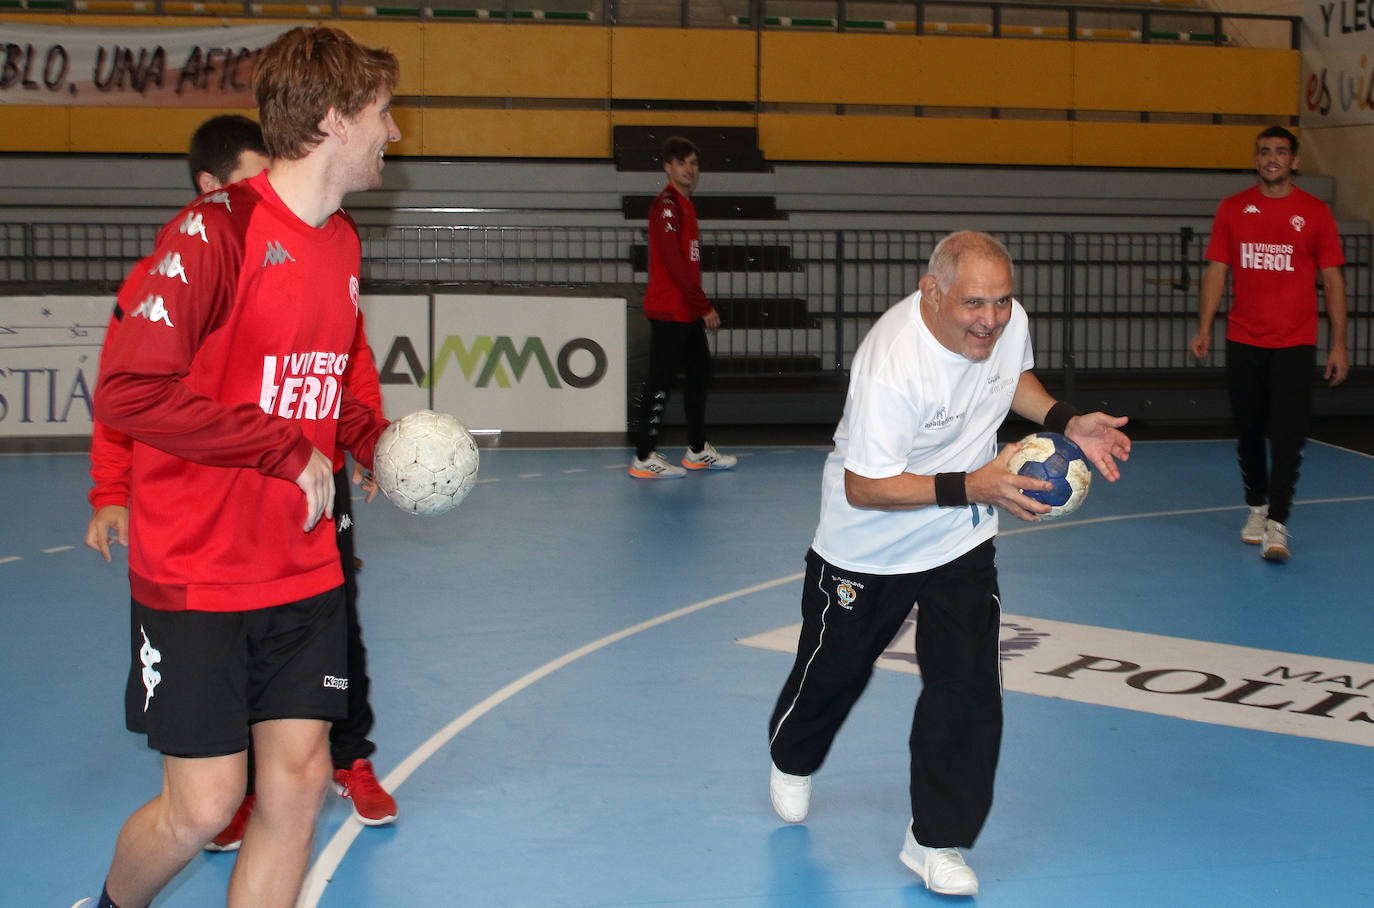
[322, 871]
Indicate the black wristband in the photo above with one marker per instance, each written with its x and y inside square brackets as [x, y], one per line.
[950, 490]
[1057, 420]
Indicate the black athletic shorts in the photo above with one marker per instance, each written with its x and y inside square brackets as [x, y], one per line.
[199, 680]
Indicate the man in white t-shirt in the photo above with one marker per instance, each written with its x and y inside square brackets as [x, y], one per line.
[908, 515]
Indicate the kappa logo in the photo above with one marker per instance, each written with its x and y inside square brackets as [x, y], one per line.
[276, 255]
[335, 683]
[217, 198]
[170, 266]
[1252, 209]
[154, 310]
[194, 225]
[149, 656]
[1298, 222]
[345, 522]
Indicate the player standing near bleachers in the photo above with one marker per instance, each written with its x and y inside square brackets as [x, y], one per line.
[908, 517]
[1276, 240]
[679, 317]
[227, 374]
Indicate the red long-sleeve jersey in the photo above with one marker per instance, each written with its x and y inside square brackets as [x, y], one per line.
[227, 372]
[674, 293]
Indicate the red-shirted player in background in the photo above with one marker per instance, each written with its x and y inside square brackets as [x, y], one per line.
[679, 317]
[225, 149]
[1276, 240]
[227, 373]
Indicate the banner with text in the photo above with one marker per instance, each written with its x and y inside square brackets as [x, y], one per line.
[130, 67]
[1337, 63]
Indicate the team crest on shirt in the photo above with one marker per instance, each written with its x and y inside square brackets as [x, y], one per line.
[1298, 222]
[353, 291]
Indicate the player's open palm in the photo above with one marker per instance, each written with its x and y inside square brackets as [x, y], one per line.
[996, 484]
[1102, 441]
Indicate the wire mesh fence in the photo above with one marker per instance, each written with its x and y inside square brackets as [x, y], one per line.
[793, 303]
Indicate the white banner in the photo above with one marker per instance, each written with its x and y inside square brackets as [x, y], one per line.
[60, 65]
[1337, 63]
[529, 363]
[49, 361]
[1285, 693]
[398, 335]
[517, 363]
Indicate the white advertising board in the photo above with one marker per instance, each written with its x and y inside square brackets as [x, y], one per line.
[529, 363]
[515, 363]
[49, 362]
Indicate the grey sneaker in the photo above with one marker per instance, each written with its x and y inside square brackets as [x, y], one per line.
[1253, 531]
[1275, 545]
[655, 466]
[708, 458]
[943, 869]
[791, 795]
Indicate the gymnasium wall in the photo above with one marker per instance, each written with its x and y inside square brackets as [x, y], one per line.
[556, 91]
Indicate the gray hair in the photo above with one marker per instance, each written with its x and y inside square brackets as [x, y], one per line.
[950, 251]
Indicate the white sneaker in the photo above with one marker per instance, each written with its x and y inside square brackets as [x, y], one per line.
[708, 458]
[655, 466]
[791, 795]
[943, 869]
[1253, 531]
[1275, 545]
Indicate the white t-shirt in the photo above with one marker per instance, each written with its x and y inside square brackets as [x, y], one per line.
[916, 407]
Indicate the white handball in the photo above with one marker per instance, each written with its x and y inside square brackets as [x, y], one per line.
[1051, 456]
[425, 462]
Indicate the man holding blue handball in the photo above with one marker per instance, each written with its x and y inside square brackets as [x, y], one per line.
[908, 515]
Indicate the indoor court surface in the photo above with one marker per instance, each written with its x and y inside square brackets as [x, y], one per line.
[573, 674]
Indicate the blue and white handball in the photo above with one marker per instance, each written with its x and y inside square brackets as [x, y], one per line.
[1052, 457]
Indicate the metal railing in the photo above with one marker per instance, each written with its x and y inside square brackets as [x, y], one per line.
[794, 303]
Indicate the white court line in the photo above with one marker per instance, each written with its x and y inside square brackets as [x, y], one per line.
[58, 548]
[333, 854]
[322, 871]
[11, 558]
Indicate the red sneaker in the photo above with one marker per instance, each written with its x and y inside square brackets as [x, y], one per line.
[231, 837]
[371, 804]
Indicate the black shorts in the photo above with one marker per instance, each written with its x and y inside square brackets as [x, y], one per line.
[199, 680]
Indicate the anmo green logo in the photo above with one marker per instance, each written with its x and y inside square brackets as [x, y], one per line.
[488, 361]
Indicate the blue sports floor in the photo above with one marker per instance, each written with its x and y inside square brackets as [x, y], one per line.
[573, 674]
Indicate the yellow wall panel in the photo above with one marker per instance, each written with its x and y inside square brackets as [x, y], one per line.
[681, 118]
[1163, 145]
[411, 122]
[517, 61]
[405, 40]
[518, 133]
[34, 128]
[148, 130]
[906, 70]
[1152, 77]
[791, 137]
[682, 64]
